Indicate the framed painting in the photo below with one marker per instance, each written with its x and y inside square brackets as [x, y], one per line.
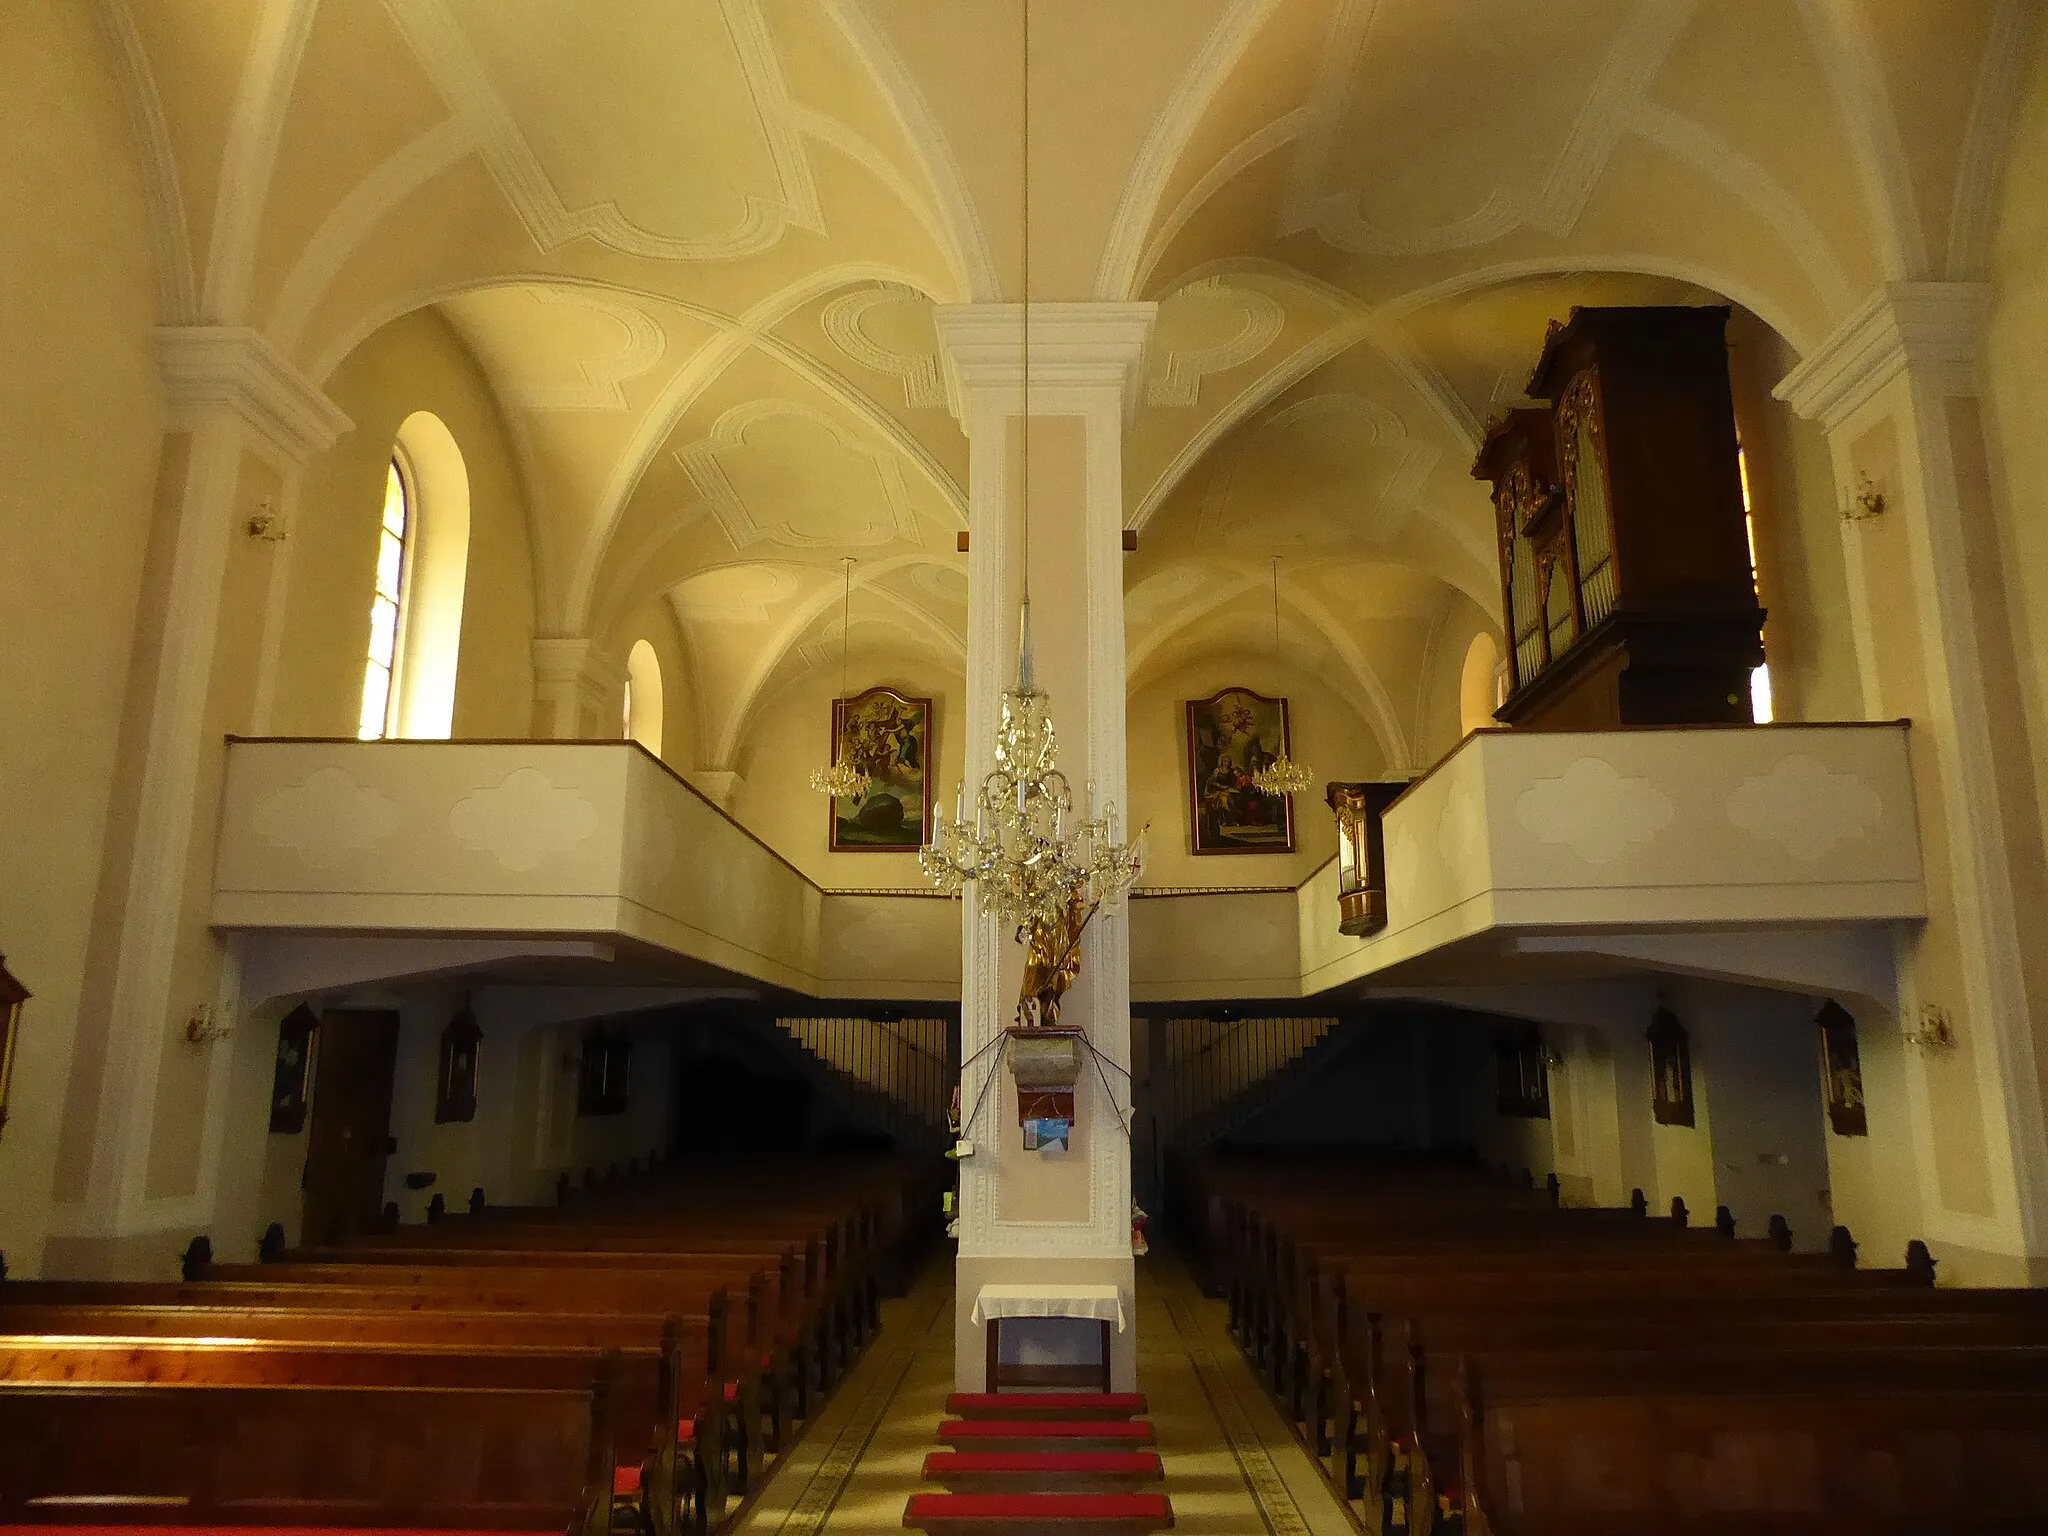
[1670, 1070]
[1841, 1065]
[455, 1081]
[297, 1033]
[1231, 736]
[889, 738]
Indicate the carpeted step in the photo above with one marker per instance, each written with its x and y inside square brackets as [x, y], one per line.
[1045, 1434]
[1032, 1514]
[1047, 1405]
[1042, 1471]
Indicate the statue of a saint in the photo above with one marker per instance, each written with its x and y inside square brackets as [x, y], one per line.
[1052, 959]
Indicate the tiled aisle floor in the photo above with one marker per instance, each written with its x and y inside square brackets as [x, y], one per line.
[1232, 1467]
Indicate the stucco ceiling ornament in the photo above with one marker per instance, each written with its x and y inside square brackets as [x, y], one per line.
[842, 778]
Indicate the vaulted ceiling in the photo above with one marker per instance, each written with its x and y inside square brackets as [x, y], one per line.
[695, 246]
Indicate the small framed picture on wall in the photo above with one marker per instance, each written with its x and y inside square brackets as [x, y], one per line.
[1670, 1070]
[298, 1034]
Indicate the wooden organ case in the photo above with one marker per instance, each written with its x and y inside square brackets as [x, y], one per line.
[1625, 568]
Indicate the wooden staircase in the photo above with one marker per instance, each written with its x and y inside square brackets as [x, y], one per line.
[1029, 1462]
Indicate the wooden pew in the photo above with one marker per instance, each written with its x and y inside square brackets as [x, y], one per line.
[1748, 1442]
[1546, 1370]
[510, 1458]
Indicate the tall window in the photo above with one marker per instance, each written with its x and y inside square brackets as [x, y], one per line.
[1760, 678]
[642, 720]
[379, 715]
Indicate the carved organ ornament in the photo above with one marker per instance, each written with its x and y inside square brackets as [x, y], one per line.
[1625, 578]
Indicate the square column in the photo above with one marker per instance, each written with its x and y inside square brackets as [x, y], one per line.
[1896, 390]
[1031, 1217]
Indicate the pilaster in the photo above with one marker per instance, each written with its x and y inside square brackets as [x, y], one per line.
[1896, 389]
[235, 402]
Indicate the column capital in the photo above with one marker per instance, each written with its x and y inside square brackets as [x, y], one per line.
[1935, 330]
[1073, 348]
[578, 685]
[235, 368]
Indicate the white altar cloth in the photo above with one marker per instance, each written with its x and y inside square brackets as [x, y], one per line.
[1104, 1303]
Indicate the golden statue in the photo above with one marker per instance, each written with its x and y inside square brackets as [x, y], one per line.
[1052, 959]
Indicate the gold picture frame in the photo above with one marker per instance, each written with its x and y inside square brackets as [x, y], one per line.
[12, 997]
[888, 736]
[1231, 735]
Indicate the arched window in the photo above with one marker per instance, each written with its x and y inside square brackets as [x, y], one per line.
[387, 608]
[1476, 688]
[422, 570]
[643, 697]
[1760, 707]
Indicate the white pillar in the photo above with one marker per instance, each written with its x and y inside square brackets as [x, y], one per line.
[1896, 389]
[1027, 1217]
[242, 422]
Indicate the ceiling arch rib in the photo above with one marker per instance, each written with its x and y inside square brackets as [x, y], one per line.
[249, 158]
[736, 336]
[1123, 265]
[966, 238]
[177, 285]
[1361, 683]
[1855, 76]
[807, 612]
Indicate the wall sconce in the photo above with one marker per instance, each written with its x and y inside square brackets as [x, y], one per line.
[202, 1028]
[1867, 502]
[1934, 1032]
[267, 524]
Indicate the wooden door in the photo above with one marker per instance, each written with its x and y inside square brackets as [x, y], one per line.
[351, 1129]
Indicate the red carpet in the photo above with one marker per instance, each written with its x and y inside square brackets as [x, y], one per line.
[1012, 1450]
[1058, 1405]
[1096, 1514]
[980, 1431]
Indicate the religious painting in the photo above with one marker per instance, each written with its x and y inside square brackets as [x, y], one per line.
[455, 1083]
[1670, 1070]
[1521, 1064]
[1841, 1067]
[1231, 736]
[888, 738]
[293, 1070]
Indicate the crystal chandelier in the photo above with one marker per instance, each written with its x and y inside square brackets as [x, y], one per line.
[1031, 860]
[843, 779]
[1282, 776]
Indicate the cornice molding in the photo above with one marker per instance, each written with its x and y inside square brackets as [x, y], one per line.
[1933, 330]
[1071, 346]
[205, 368]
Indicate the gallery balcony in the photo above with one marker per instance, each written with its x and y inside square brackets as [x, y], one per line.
[1779, 854]
[561, 851]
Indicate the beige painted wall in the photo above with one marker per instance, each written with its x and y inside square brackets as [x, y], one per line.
[789, 738]
[1328, 735]
[414, 364]
[80, 425]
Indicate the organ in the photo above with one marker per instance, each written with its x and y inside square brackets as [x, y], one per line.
[1626, 583]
